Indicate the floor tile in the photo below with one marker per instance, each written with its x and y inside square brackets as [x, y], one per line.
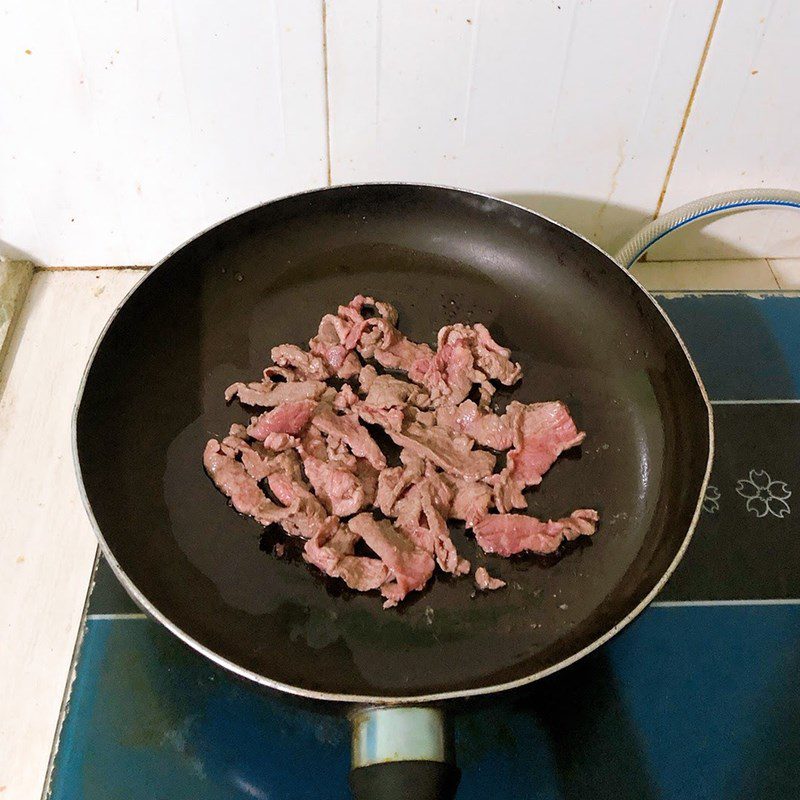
[786, 271]
[47, 548]
[753, 274]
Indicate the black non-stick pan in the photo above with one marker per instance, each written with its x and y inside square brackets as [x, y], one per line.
[584, 331]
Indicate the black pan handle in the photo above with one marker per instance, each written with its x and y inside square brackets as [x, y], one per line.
[402, 753]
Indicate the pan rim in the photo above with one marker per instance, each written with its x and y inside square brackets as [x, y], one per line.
[451, 694]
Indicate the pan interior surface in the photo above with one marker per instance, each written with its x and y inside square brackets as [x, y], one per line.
[584, 333]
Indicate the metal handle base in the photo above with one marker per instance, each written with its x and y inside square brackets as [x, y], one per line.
[402, 752]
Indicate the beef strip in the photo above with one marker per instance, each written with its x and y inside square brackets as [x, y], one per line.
[384, 310]
[392, 483]
[345, 398]
[490, 358]
[290, 418]
[348, 429]
[486, 428]
[386, 391]
[270, 394]
[422, 516]
[232, 479]
[387, 418]
[465, 355]
[471, 500]
[507, 534]
[452, 453]
[447, 375]
[485, 582]
[339, 489]
[410, 566]
[542, 433]
[368, 476]
[332, 552]
[306, 366]
[260, 467]
[280, 442]
[328, 345]
[308, 516]
[258, 460]
[382, 341]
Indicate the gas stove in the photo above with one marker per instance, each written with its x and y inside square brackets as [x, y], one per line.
[695, 699]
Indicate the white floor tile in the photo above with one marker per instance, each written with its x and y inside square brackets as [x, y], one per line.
[46, 544]
[786, 271]
[752, 274]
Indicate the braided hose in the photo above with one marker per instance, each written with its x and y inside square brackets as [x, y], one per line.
[635, 247]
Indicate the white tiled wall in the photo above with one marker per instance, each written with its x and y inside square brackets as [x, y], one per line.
[527, 100]
[127, 126]
[743, 131]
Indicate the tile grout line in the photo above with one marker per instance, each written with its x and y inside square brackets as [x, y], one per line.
[764, 401]
[677, 293]
[43, 268]
[687, 111]
[772, 271]
[775, 601]
[326, 83]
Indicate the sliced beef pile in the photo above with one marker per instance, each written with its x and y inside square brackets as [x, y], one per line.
[309, 460]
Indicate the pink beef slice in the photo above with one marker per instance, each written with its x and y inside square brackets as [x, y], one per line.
[491, 359]
[382, 341]
[280, 442]
[422, 516]
[332, 552]
[232, 479]
[384, 310]
[259, 461]
[387, 418]
[308, 517]
[393, 482]
[347, 429]
[410, 566]
[329, 345]
[485, 582]
[486, 428]
[471, 500]
[368, 476]
[452, 453]
[542, 432]
[289, 418]
[305, 366]
[312, 443]
[261, 467]
[508, 534]
[386, 391]
[345, 398]
[448, 374]
[338, 488]
[269, 394]
[339, 453]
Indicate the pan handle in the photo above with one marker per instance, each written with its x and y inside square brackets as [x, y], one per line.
[401, 752]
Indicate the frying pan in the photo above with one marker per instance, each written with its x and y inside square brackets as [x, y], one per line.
[585, 332]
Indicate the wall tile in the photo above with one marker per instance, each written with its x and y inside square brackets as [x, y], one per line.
[570, 107]
[127, 127]
[742, 132]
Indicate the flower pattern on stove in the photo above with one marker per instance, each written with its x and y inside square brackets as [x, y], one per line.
[711, 500]
[764, 496]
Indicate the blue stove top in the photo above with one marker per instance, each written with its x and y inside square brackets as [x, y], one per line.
[696, 699]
